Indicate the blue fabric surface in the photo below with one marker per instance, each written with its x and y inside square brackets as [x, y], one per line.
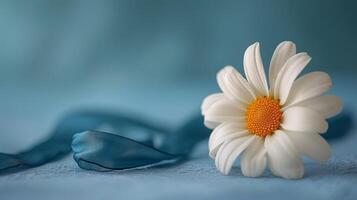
[158, 60]
[195, 179]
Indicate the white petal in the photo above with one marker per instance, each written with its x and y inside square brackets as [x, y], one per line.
[210, 100]
[281, 54]
[234, 86]
[328, 106]
[254, 70]
[229, 151]
[288, 74]
[225, 110]
[283, 158]
[308, 86]
[216, 144]
[225, 132]
[311, 145]
[304, 119]
[210, 124]
[254, 158]
[225, 129]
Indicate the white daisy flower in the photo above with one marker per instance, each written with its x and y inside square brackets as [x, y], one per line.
[273, 126]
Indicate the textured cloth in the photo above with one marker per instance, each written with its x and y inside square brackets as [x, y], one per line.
[195, 179]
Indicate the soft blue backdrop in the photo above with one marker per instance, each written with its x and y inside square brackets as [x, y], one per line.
[158, 59]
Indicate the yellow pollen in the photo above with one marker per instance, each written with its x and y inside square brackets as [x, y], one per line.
[263, 116]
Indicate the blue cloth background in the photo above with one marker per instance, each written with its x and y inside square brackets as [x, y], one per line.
[158, 59]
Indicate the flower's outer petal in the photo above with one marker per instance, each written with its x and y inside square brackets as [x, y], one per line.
[328, 106]
[234, 86]
[304, 120]
[287, 75]
[225, 132]
[254, 70]
[311, 145]
[254, 158]
[229, 151]
[308, 86]
[283, 158]
[210, 124]
[281, 54]
[210, 100]
[225, 111]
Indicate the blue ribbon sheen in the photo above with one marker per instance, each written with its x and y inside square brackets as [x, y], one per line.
[139, 144]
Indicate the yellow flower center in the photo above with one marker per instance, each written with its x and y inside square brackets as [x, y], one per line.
[263, 116]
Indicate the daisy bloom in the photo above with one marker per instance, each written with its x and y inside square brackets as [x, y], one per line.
[270, 126]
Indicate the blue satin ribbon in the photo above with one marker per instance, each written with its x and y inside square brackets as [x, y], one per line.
[134, 143]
